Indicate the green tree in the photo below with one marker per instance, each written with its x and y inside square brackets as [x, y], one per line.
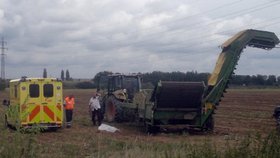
[67, 75]
[2, 85]
[271, 80]
[62, 75]
[247, 80]
[278, 80]
[45, 73]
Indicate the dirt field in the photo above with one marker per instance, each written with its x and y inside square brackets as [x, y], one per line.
[240, 112]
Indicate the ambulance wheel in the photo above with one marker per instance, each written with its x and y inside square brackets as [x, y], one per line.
[53, 129]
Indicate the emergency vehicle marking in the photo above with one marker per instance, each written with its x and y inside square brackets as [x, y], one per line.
[58, 107]
[34, 112]
[58, 119]
[48, 111]
[37, 103]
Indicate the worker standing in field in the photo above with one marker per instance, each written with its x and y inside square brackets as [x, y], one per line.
[95, 108]
[69, 106]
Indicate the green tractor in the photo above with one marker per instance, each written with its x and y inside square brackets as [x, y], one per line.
[189, 105]
[119, 102]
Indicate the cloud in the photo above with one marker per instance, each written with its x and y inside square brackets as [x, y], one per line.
[87, 36]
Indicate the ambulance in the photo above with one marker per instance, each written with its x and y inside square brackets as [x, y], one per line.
[35, 101]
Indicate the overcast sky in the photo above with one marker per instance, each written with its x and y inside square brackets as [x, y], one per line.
[89, 36]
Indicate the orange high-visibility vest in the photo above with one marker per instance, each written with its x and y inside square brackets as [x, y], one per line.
[69, 103]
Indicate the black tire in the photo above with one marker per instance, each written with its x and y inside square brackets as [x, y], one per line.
[209, 125]
[119, 117]
[6, 125]
[116, 112]
[278, 121]
[278, 118]
[53, 129]
[150, 129]
[102, 103]
[112, 109]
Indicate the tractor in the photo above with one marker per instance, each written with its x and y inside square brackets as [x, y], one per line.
[120, 97]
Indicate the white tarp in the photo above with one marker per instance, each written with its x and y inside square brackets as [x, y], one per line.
[104, 127]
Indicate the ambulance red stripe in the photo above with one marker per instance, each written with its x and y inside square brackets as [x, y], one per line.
[34, 112]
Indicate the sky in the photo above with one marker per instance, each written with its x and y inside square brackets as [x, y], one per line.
[130, 36]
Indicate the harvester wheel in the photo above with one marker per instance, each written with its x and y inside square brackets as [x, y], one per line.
[209, 125]
[278, 122]
[150, 129]
[5, 122]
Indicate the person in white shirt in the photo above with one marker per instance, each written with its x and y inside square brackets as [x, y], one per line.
[95, 108]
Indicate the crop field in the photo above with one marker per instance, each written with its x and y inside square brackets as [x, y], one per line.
[243, 126]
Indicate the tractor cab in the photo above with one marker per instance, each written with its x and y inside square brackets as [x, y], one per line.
[124, 87]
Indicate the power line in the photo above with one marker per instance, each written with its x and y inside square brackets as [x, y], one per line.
[199, 25]
[3, 48]
[222, 6]
[202, 13]
[203, 49]
[236, 29]
[259, 26]
[210, 10]
[232, 14]
[183, 18]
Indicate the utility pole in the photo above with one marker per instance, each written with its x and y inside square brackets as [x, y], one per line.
[3, 48]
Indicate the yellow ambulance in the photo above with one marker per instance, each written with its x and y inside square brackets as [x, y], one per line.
[35, 101]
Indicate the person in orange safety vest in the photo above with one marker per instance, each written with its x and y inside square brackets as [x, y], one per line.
[69, 102]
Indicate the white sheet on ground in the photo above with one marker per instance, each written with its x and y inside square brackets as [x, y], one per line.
[104, 127]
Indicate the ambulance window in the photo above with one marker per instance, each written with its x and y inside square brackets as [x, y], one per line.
[34, 90]
[48, 90]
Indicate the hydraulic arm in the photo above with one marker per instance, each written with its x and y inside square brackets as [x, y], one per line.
[228, 58]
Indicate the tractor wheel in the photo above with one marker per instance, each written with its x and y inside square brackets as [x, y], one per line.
[112, 109]
[119, 116]
[103, 105]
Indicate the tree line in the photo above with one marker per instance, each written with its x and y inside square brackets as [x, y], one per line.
[152, 78]
[62, 77]
[238, 80]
